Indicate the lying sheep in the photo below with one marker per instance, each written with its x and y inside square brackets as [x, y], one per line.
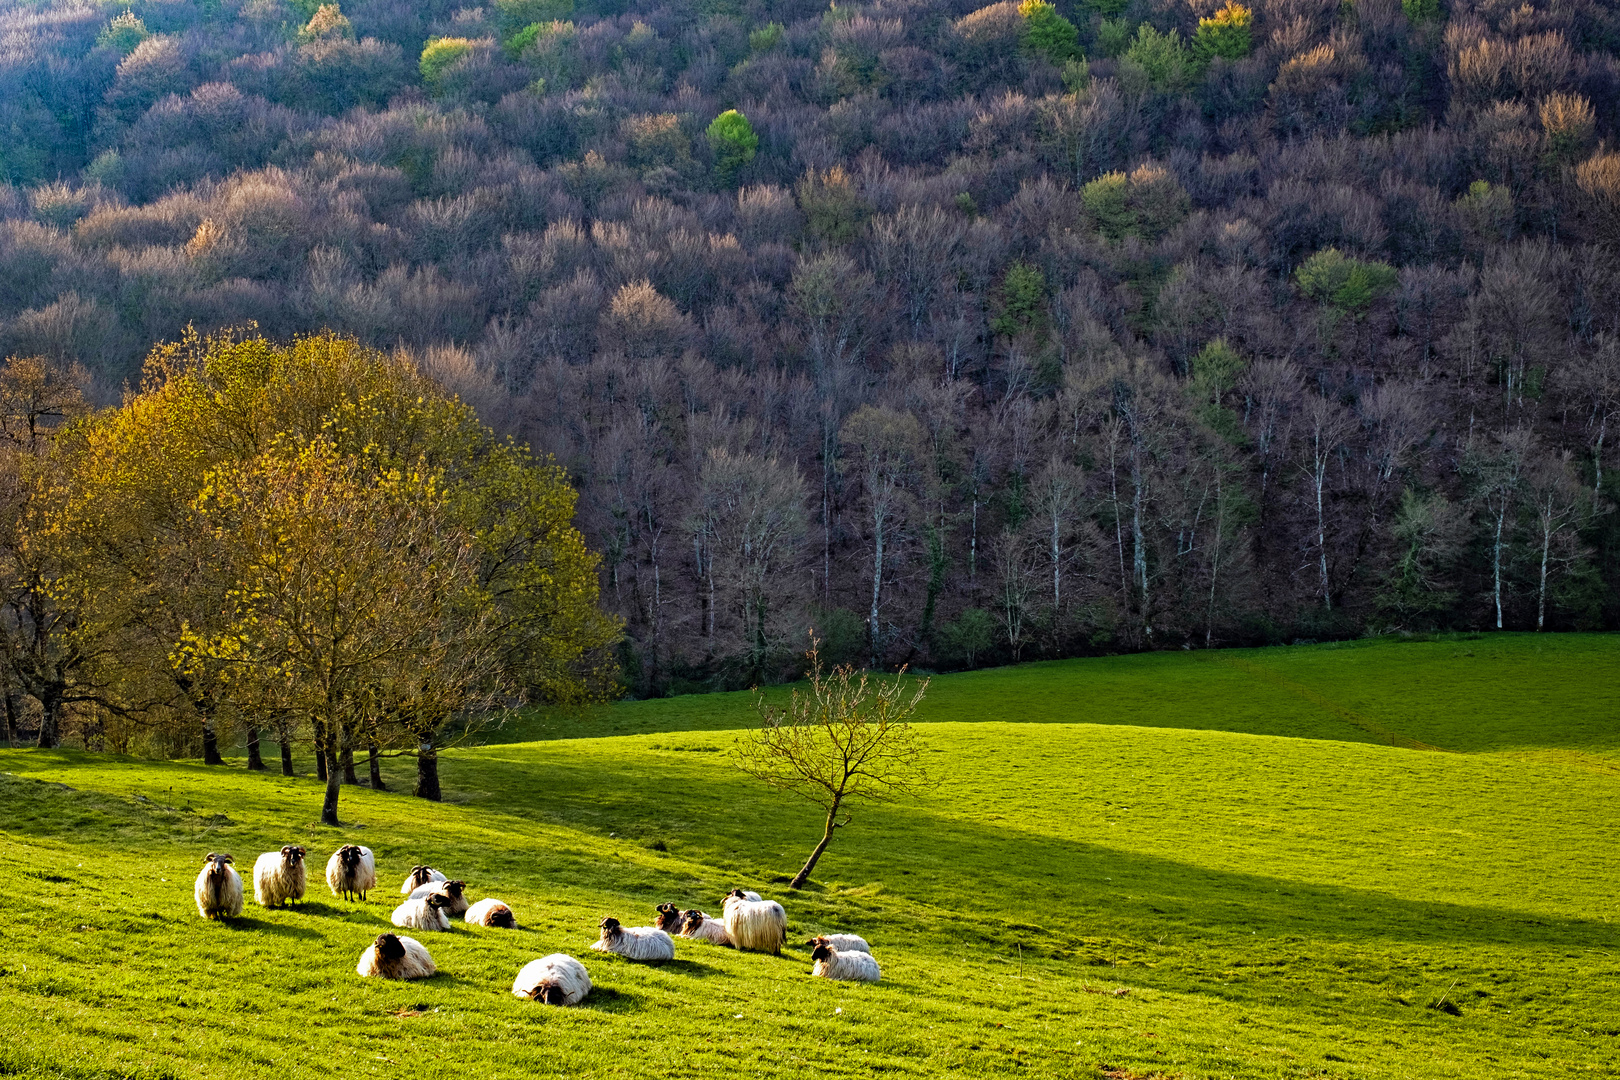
[846, 966]
[491, 912]
[280, 876]
[841, 942]
[419, 876]
[424, 914]
[556, 980]
[700, 926]
[219, 888]
[395, 957]
[634, 942]
[454, 891]
[351, 872]
[669, 918]
[755, 924]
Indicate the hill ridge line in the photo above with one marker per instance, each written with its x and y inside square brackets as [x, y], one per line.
[1372, 727]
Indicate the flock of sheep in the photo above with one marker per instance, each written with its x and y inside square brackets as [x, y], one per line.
[432, 900]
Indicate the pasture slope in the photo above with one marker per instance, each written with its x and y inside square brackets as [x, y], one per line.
[1250, 864]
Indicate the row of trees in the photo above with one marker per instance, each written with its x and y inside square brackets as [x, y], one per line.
[961, 333]
[311, 542]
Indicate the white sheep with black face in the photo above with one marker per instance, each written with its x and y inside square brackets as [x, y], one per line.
[428, 913]
[394, 957]
[557, 979]
[634, 942]
[830, 963]
[351, 871]
[491, 912]
[218, 891]
[760, 925]
[841, 942]
[419, 876]
[280, 876]
[454, 891]
[700, 926]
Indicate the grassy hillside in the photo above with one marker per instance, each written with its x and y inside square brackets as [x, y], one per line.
[1242, 844]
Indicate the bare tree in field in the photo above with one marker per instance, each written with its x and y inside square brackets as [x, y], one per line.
[846, 740]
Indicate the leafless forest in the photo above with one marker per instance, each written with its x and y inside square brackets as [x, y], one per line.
[1187, 328]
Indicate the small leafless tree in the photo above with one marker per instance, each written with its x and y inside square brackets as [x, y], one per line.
[845, 740]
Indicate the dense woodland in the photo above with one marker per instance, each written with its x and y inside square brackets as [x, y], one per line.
[979, 335]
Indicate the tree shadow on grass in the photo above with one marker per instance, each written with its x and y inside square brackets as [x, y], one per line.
[608, 1000]
[248, 922]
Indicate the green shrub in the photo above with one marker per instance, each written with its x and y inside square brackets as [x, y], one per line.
[1418, 11]
[327, 24]
[438, 54]
[1107, 202]
[1162, 57]
[968, 637]
[734, 142]
[766, 37]
[1347, 283]
[1023, 299]
[123, 33]
[512, 15]
[1228, 33]
[1113, 36]
[1048, 34]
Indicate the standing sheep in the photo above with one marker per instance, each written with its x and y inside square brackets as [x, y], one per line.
[760, 925]
[419, 876]
[846, 966]
[454, 891]
[699, 926]
[395, 957]
[280, 876]
[634, 942]
[841, 942]
[351, 871]
[557, 979]
[424, 914]
[492, 912]
[219, 888]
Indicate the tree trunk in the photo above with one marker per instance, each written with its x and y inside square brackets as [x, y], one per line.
[11, 721]
[50, 719]
[877, 582]
[376, 769]
[348, 766]
[211, 743]
[1541, 593]
[1496, 564]
[286, 756]
[255, 762]
[320, 759]
[427, 771]
[334, 785]
[815, 856]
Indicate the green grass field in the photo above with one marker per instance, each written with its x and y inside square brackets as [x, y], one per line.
[1250, 864]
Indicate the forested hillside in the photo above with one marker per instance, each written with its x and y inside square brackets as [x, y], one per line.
[979, 335]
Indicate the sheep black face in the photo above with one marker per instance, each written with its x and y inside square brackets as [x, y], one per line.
[550, 994]
[349, 857]
[390, 948]
[454, 889]
[821, 952]
[813, 942]
[437, 900]
[669, 918]
[421, 875]
[502, 917]
[738, 893]
[610, 928]
[691, 919]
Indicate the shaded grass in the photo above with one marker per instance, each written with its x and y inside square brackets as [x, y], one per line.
[1272, 906]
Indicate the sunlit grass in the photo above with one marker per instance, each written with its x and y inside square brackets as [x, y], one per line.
[1277, 891]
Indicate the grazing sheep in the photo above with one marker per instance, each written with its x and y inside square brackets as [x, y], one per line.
[424, 914]
[419, 876]
[634, 942]
[395, 957]
[841, 942]
[219, 888]
[847, 966]
[556, 980]
[280, 876]
[492, 912]
[755, 924]
[351, 871]
[699, 926]
[455, 891]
